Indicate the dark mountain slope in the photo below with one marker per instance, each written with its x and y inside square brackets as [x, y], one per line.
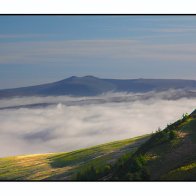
[168, 155]
[90, 86]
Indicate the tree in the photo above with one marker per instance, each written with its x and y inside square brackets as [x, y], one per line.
[172, 135]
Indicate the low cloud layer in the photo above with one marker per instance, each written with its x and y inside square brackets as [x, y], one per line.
[62, 127]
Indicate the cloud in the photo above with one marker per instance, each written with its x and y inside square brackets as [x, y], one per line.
[176, 30]
[109, 97]
[16, 36]
[80, 51]
[62, 127]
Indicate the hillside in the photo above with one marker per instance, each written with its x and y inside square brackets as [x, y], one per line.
[64, 166]
[173, 158]
[91, 86]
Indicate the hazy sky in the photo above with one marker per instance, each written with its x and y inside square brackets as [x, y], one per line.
[39, 49]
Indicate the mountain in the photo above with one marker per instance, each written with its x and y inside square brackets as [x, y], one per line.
[167, 154]
[90, 86]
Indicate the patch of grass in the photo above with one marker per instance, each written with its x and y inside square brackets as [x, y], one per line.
[33, 167]
[160, 142]
[85, 155]
[190, 127]
[186, 172]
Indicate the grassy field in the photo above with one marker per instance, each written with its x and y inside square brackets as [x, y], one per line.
[185, 172]
[63, 166]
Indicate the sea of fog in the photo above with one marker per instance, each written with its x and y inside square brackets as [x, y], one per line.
[66, 123]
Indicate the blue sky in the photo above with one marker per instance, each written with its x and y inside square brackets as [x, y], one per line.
[40, 49]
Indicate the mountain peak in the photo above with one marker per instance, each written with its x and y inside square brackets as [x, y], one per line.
[82, 77]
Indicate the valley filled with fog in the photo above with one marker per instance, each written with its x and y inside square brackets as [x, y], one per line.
[33, 125]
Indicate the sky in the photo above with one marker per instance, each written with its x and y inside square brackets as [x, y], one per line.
[41, 49]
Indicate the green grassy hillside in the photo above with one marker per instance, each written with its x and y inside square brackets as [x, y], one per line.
[64, 166]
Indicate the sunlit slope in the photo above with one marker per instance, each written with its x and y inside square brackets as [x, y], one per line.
[64, 166]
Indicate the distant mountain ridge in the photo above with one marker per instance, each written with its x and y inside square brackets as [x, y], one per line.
[91, 86]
